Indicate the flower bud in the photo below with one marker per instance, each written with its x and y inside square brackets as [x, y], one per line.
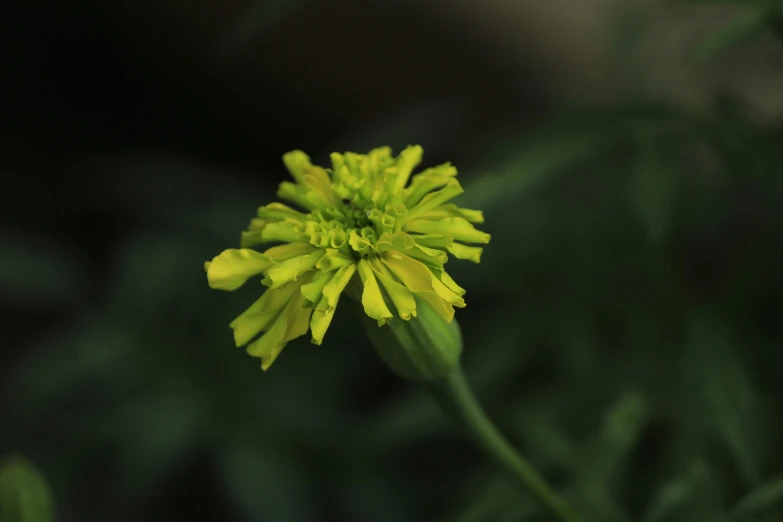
[423, 348]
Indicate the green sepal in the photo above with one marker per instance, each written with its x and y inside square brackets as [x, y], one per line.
[424, 348]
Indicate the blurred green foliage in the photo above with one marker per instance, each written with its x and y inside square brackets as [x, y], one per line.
[24, 494]
[633, 354]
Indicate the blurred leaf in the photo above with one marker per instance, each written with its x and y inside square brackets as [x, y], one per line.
[159, 277]
[743, 29]
[537, 160]
[654, 182]
[156, 433]
[40, 274]
[369, 495]
[265, 485]
[600, 461]
[760, 499]
[722, 391]
[674, 495]
[63, 361]
[24, 493]
[490, 499]
[250, 24]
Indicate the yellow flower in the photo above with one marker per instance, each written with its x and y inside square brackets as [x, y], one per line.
[365, 227]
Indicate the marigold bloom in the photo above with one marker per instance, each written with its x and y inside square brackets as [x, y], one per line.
[363, 229]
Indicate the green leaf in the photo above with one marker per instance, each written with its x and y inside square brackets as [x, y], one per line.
[721, 391]
[654, 182]
[601, 462]
[674, 496]
[24, 493]
[743, 29]
[264, 484]
[758, 500]
[534, 164]
[38, 274]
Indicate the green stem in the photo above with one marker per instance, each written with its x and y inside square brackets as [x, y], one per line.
[456, 398]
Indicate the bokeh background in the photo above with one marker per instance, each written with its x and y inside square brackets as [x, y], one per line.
[623, 328]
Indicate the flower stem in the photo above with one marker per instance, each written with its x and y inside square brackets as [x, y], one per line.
[454, 395]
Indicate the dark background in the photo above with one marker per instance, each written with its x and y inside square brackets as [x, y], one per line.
[623, 328]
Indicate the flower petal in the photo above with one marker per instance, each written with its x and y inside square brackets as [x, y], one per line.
[335, 287]
[433, 240]
[470, 253]
[451, 284]
[289, 250]
[313, 291]
[261, 313]
[253, 234]
[333, 259]
[279, 211]
[407, 244]
[299, 194]
[320, 321]
[445, 292]
[451, 210]
[401, 297]
[427, 181]
[323, 313]
[458, 228]
[233, 267]
[433, 199]
[372, 299]
[284, 231]
[297, 163]
[291, 269]
[406, 162]
[418, 278]
[292, 322]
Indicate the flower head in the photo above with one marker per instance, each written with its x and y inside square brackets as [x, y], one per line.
[365, 227]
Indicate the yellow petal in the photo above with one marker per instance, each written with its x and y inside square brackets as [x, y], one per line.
[372, 299]
[407, 244]
[445, 292]
[281, 231]
[233, 267]
[278, 211]
[458, 228]
[451, 284]
[407, 161]
[298, 194]
[297, 163]
[337, 284]
[427, 181]
[253, 235]
[291, 269]
[317, 180]
[401, 297]
[289, 250]
[433, 199]
[470, 253]
[418, 278]
[313, 291]
[359, 243]
[451, 210]
[323, 313]
[259, 316]
[292, 322]
[320, 321]
[433, 240]
[333, 259]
